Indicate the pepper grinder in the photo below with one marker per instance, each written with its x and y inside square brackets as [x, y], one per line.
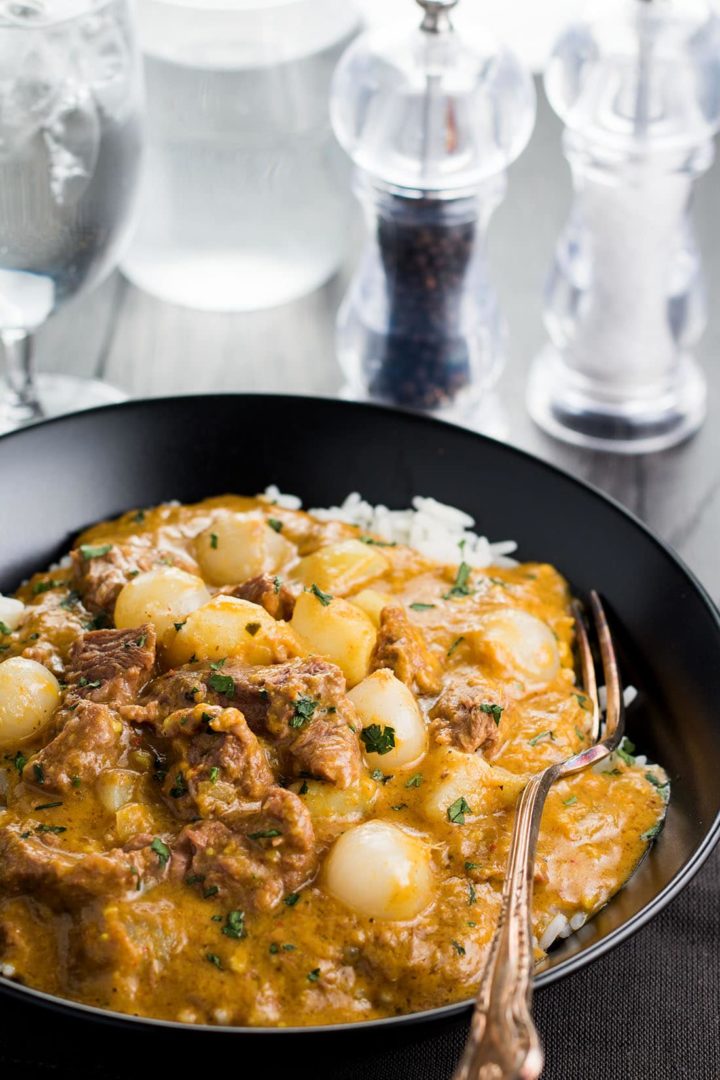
[637, 85]
[431, 121]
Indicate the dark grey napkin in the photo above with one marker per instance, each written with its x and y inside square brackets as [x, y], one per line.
[649, 1010]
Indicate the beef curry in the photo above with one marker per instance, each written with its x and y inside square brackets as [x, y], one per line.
[259, 768]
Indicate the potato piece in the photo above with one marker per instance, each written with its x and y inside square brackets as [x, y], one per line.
[341, 568]
[228, 626]
[161, 597]
[456, 775]
[131, 819]
[29, 696]
[371, 601]
[380, 871]
[327, 802]
[382, 700]
[237, 547]
[338, 631]
[115, 788]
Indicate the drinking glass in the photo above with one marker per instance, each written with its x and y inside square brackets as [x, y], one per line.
[70, 98]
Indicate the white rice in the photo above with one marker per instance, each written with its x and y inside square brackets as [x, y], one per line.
[431, 527]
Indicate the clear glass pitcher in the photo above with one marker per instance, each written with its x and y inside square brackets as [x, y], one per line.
[246, 196]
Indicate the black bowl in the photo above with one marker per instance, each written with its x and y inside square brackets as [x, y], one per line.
[60, 476]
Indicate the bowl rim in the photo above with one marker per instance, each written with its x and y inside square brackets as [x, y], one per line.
[585, 955]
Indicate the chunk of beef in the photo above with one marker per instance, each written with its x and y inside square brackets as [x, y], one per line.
[110, 666]
[93, 738]
[285, 702]
[466, 717]
[218, 764]
[64, 879]
[401, 646]
[267, 856]
[269, 592]
[125, 947]
[51, 624]
[100, 578]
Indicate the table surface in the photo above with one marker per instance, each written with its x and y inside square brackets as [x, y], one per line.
[151, 348]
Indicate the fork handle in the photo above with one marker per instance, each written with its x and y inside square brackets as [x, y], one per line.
[503, 1043]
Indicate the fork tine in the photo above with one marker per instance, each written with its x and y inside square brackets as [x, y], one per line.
[587, 667]
[615, 710]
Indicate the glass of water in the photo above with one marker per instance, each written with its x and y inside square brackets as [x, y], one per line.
[70, 98]
[246, 199]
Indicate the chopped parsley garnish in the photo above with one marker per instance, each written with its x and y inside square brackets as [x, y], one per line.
[252, 628]
[543, 735]
[216, 918]
[48, 805]
[303, 788]
[471, 924]
[493, 710]
[70, 600]
[19, 760]
[213, 774]
[381, 777]
[277, 582]
[415, 780]
[88, 551]
[161, 850]
[291, 899]
[180, 787]
[179, 625]
[39, 773]
[235, 925]
[275, 524]
[273, 948]
[421, 607]
[194, 879]
[212, 890]
[659, 784]
[214, 959]
[222, 684]
[213, 540]
[471, 865]
[265, 834]
[399, 806]
[571, 801]
[45, 586]
[377, 739]
[4, 628]
[76, 781]
[582, 700]
[472, 894]
[51, 829]
[459, 949]
[580, 734]
[456, 811]
[289, 948]
[313, 975]
[82, 681]
[460, 586]
[140, 642]
[455, 644]
[653, 832]
[303, 713]
[325, 598]
[139, 517]
[377, 543]
[626, 751]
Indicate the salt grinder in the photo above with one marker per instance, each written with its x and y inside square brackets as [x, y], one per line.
[431, 121]
[637, 84]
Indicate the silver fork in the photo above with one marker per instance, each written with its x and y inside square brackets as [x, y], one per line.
[503, 1043]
